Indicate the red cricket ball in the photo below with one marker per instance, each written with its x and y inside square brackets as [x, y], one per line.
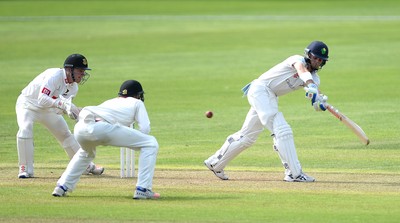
[209, 114]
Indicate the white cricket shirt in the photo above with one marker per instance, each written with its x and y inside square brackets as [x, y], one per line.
[124, 111]
[48, 86]
[283, 77]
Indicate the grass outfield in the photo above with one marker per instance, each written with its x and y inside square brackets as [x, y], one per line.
[194, 56]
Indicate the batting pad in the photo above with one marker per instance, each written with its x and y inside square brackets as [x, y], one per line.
[232, 147]
[285, 144]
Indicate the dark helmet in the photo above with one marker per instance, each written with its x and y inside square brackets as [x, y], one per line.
[318, 49]
[76, 61]
[131, 88]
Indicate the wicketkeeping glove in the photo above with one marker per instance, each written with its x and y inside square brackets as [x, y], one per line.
[73, 112]
[69, 108]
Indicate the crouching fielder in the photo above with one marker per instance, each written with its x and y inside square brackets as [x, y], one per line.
[108, 124]
[293, 73]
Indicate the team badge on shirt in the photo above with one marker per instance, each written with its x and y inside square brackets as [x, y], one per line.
[46, 91]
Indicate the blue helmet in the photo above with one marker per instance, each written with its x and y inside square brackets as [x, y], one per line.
[318, 49]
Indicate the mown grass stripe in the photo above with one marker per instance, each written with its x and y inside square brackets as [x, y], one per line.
[202, 17]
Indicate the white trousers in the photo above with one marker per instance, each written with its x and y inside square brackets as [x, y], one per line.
[263, 114]
[91, 134]
[27, 115]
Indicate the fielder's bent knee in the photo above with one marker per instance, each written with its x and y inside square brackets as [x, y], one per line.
[153, 143]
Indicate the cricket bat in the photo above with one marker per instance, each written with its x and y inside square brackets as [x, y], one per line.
[349, 123]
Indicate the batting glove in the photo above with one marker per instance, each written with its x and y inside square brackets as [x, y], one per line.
[312, 92]
[319, 105]
[323, 98]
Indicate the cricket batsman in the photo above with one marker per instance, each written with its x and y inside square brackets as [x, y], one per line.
[293, 73]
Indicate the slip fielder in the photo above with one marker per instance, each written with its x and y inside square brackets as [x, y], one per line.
[109, 124]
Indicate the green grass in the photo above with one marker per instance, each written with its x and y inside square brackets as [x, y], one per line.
[194, 56]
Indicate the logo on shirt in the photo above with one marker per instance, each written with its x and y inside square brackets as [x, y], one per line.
[46, 91]
[296, 75]
[66, 93]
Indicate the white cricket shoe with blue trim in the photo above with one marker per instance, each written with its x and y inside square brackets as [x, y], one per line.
[60, 191]
[143, 193]
[301, 178]
[220, 174]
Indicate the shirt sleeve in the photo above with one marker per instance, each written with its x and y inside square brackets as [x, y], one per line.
[296, 59]
[47, 92]
[142, 118]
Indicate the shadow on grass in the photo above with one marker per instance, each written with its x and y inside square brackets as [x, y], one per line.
[162, 198]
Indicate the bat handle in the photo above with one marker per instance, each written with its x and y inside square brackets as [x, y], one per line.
[333, 111]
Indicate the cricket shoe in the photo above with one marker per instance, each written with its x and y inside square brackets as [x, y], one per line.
[60, 191]
[143, 193]
[220, 174]
[301, 178]
[93, 169]
[23, 173]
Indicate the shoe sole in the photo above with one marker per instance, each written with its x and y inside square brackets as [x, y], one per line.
[300, 181]
[297, 181]
[144, 197]
[24, 177]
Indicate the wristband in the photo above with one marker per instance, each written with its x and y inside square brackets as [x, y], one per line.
[305, 76]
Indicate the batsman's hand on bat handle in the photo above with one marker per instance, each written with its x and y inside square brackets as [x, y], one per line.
[317, 100]
[312, 92]
[320, 104]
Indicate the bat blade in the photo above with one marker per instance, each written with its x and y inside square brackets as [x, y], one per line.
[349, 123]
